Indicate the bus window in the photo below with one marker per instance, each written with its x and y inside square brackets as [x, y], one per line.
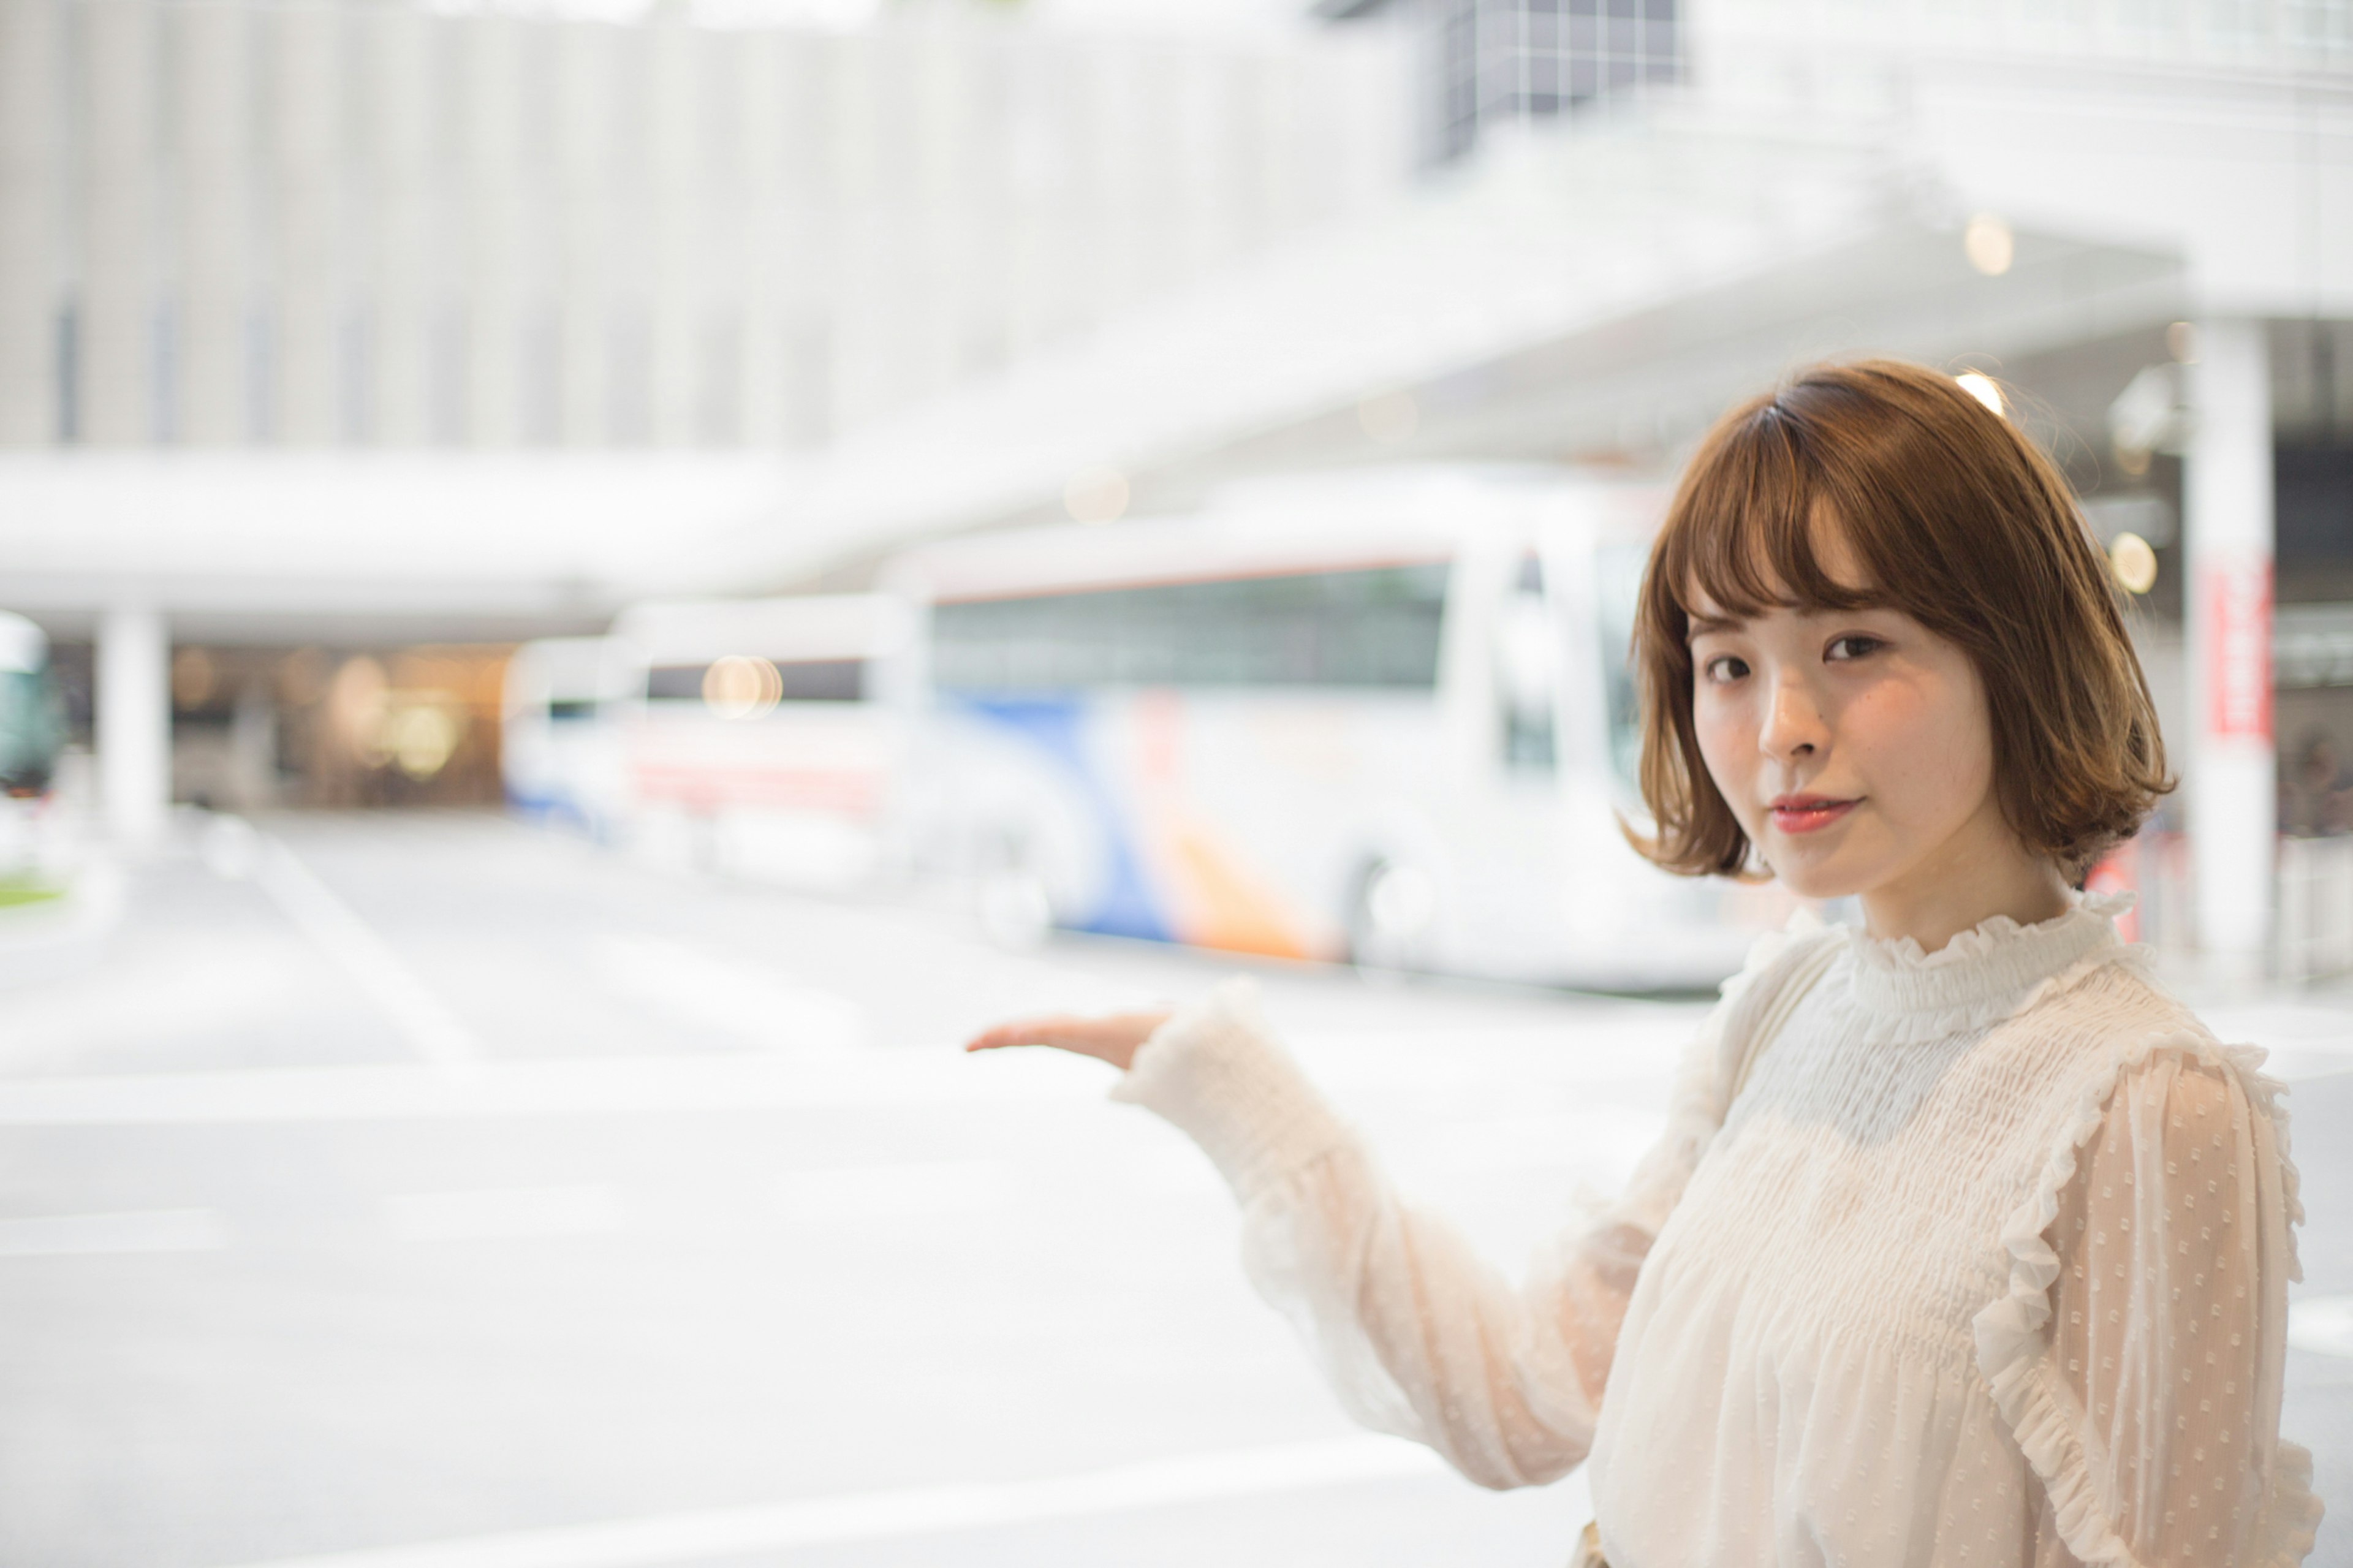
[1524, 672]
[1376, 627]
[797, 680]
[1617, 581]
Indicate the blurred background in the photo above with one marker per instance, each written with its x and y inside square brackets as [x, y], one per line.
[589, 585]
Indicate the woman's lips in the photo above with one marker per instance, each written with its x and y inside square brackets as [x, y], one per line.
[1808, 815]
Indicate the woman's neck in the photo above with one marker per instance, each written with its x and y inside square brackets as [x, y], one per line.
[1982, 872]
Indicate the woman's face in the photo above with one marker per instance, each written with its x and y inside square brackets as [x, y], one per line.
[1852, 745]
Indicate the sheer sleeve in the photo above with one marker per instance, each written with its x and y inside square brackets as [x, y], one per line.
[1418, 1335]
[2169, 1320]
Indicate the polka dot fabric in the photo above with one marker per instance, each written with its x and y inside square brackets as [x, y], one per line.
[1984, 1266]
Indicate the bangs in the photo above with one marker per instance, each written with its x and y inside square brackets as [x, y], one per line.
[1746, 537]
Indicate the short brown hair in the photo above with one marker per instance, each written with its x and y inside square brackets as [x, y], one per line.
[1959, 520]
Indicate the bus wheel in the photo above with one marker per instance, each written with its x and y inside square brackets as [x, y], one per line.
[1391, 917]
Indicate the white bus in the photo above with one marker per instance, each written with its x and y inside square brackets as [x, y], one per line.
[32, 737]
[762, 736]
[1384, 718]
[559, 748]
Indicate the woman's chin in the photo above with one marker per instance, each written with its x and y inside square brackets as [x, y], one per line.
[1817, 875]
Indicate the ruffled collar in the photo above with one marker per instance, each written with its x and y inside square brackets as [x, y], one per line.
[1982, 975]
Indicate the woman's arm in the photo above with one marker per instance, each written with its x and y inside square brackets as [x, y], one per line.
[2168, 1320]
[1418, 1335]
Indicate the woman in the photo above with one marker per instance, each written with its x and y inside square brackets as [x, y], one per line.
[1966, 1244]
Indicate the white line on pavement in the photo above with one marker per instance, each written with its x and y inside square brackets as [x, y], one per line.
[504, 1212]
[134, 1230]
[433, 1031]
[760, 1007]
[624, 1086]
[910, 1510]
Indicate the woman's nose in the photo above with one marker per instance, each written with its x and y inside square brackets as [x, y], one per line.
[1793, 725]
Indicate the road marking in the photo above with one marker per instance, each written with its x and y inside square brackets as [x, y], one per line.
[133, 1230]
[761, 1008]
[432, 1030]
[504, 1212]
[853, 1194]
[626, 1086]
[910, 1510]
[2323, 1324]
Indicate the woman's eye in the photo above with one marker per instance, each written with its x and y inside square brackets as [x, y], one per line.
[1725, 668]
[1852, 647]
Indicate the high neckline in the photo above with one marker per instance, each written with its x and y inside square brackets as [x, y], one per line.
[1984, 974]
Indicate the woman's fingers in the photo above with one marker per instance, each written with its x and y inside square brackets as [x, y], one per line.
[1113, 1039]
[1021, 1032]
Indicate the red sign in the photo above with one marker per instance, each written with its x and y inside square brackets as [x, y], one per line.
[2239, 649]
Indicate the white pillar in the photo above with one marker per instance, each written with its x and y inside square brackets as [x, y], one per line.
[2227, 486]
[135, 723]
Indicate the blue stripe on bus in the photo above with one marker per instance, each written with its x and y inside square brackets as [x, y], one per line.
[1124, 905]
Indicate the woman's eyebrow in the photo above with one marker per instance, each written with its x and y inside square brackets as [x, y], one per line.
[1700, 625]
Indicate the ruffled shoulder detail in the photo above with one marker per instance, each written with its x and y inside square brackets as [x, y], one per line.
[2015, 1356]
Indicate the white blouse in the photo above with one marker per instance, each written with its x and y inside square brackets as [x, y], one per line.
[1985, 1266]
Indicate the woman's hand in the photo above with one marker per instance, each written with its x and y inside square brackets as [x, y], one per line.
[1112, 1038]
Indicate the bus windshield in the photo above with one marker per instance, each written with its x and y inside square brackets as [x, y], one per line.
[1618, 583]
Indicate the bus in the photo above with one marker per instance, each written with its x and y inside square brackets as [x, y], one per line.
[1383, 719]
[762, 737]
[559, 752]
[32, 737]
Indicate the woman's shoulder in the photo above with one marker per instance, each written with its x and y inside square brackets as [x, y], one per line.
[2119, 1016]
[2124, 1044]
[2113, 995]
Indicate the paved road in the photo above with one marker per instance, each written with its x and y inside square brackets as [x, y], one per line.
[419, 1192]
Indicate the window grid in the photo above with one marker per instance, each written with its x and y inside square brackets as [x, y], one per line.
[1506, 60]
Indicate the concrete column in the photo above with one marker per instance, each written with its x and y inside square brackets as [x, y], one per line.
[1043, 103]
[135, 723]
[585, 222]
[213, 149]
[31, 151]
[119, 295]
[758, 270]
[306, 94]
[487, 91]
[809, 240]
[396, 117]
[858, 284]
[943, 144]
[2227, 483]
[627, 262]
[678, 177]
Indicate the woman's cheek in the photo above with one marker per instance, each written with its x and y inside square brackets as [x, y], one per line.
[1926, 748]
[1727, 745]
